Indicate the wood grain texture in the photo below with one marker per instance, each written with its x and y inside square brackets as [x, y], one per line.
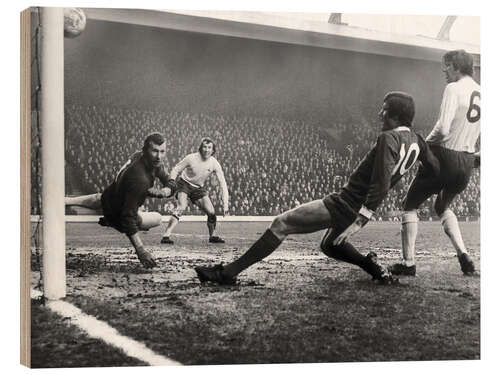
[25, 352]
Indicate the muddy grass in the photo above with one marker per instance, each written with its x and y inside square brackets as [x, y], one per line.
[296, 306]
[56, 343]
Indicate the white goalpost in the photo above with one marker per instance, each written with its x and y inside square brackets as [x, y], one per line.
[52, 147]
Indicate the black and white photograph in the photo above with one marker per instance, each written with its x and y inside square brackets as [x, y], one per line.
[234, 187]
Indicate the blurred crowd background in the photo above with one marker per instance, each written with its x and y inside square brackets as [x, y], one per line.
[270, 164]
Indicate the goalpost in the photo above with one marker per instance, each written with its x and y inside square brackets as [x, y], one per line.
[52, 144]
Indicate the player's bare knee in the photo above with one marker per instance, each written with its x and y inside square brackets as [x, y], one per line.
[445, 216]
[148, 220]
[279, 226]
[209, 212]
[277, 223]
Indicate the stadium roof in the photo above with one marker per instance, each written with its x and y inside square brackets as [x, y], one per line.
[460, 29]
[410, 36]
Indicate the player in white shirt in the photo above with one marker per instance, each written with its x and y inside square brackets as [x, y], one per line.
[190, 175]
[453, 141]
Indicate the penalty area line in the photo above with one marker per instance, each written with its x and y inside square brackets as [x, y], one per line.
[101, 330]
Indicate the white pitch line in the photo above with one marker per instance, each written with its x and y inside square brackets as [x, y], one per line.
[101, 330]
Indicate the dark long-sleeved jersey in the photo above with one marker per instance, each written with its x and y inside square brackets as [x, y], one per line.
[393, 155]
[129, 190]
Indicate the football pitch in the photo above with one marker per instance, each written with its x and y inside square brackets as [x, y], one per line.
[295, 306]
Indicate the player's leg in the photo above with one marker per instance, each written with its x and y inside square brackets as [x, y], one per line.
[92, 201]
[182, 201]
[342, 216]
[460, 170]
[346, 252]
[421, 188]
[307, 218]
[449, 220]
[450, 226]
[409, 231]
[148, 220]
[205, 204]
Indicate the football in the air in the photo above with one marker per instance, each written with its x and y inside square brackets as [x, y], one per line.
[74, 22]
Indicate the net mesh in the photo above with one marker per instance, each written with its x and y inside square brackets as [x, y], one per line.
[36, 170]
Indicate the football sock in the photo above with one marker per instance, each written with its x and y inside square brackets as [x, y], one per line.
[345, 252]
[211, 223]
[450, 225]
[263, 247]
[409, 231]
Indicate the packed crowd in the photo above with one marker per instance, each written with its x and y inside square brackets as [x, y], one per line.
[270, 164]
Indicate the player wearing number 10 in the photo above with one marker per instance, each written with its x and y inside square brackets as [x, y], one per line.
[343, 214]
[453, 141]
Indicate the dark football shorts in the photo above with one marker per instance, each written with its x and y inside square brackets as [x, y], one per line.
[111, 220]
[193, 193]
[341, 213]
[454, 175]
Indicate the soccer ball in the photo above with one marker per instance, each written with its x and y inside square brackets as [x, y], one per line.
[74, 22]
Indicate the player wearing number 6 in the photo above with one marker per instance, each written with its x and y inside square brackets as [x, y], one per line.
[343, 214]
[453, 141]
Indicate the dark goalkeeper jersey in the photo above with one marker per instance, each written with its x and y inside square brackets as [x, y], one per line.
[393, 155]
[129, 190]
